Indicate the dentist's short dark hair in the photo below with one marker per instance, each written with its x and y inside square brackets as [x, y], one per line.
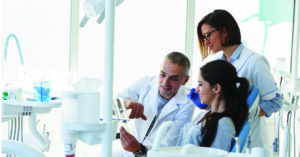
[180, 59]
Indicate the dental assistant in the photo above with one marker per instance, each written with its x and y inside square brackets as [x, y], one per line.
[218, 31]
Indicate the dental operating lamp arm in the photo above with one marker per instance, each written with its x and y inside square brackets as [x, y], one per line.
[93, 8]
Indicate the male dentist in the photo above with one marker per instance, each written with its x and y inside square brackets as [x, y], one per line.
[154, 100]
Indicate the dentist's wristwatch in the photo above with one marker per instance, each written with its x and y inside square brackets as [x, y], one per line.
[142, 152]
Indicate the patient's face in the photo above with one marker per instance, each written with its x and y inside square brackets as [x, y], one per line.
[171, 77]
[205, 91]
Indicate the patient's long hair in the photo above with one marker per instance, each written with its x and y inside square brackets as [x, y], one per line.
[223, 73]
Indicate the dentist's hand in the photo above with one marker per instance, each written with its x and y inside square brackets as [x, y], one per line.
[194, 96]
[128, 141]
[137, 109]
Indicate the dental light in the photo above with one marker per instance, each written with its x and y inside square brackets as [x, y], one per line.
[93, 8]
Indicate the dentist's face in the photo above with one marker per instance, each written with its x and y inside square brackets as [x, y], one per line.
[171, 77]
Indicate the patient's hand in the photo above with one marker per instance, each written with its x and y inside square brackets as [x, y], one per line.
[128, 141]
[137, 109]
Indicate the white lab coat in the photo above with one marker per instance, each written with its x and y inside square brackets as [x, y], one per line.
[179, 110]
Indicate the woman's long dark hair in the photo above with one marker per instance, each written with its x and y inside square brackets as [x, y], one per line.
[223, 73]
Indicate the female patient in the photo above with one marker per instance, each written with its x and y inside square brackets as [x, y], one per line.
[220, 87]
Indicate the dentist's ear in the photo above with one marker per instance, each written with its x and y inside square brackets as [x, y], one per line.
[186, 79]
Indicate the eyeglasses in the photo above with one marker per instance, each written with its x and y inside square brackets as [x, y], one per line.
[207, 35]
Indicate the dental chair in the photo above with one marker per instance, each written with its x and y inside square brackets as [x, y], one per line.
[244, 135]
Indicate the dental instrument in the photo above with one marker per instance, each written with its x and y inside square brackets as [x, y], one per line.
[124, 120]
[276, 137]
[286, 135]
[289, 107]
[120, 108]
[18, 45]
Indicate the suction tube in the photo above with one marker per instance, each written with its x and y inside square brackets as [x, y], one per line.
[286, 135]
[159, 135]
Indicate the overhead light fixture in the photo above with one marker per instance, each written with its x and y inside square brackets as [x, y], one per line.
[94, 8]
